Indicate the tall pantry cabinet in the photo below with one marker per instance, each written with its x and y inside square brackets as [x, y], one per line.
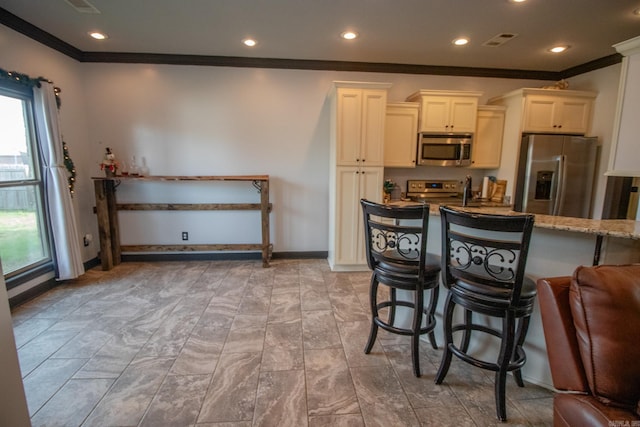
[357, 167]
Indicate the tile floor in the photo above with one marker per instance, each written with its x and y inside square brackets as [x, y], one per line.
[226, 343]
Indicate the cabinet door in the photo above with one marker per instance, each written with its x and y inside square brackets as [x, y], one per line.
[576, 115]
[348, 126]
[374, 105]
[347, 214]
[401, 135]
[371, 179]
[463, 115]
[434, 116]
[557, 114]
[487, 143]
[352, 185]
[541, 114]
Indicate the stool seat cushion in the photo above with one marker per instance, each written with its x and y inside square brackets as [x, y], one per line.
[528, 291]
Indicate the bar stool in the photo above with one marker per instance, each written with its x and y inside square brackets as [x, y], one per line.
[396, 250]
[483, 263]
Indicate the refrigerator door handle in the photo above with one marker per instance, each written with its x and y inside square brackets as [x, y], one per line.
[560, 184]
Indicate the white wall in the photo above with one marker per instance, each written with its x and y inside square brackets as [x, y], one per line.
[13, 404]
[190, 120]
[605, 81]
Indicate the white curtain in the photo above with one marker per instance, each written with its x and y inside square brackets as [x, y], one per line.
[66, 239]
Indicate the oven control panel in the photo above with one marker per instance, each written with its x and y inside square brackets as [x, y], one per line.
[432, 186]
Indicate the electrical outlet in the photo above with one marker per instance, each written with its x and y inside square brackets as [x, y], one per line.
[185, 235]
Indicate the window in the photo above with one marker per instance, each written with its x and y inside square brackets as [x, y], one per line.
[25, 248]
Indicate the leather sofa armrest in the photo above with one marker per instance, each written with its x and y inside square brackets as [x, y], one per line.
[567, 370]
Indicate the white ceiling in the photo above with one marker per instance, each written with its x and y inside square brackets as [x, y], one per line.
[415, 32]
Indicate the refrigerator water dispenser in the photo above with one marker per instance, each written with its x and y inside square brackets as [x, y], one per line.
[544, 180]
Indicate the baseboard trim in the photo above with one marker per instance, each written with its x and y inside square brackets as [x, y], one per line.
[32, 292]
[219, 256]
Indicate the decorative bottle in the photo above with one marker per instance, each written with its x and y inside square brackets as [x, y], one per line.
[133, 167]
[144, 170]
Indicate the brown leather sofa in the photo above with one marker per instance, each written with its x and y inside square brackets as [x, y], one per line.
[592, 329]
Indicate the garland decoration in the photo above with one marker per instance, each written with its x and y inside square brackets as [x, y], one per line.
[68, 163]
[28, 81]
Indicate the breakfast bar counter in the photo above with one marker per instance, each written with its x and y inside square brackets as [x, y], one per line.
[558, 246]
[599, 228]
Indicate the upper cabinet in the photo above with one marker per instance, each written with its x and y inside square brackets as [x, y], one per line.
[401, 134]
[557, 113]
[360, 120]
[487, 142]
[551, 110]
[447, 111]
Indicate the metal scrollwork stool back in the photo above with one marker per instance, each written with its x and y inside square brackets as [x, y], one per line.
[396, 248]
[483, 265]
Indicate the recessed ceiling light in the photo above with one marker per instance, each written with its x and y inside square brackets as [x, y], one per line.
[517, 1]
[349, 35]
[558, 49]
[637, 12]
[249, 42]
[98, 35]
[460, 41]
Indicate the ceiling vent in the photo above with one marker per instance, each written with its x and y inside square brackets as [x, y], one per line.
[499, 40]
[82, 6]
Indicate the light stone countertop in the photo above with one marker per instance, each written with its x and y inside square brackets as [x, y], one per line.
[622, 228]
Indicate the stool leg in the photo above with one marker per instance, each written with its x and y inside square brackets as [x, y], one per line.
[431, 316]
[466, 335]
[448, 340]
[392, 308]
[506, 350]
[523, 327]
[373, 302]
[418, 311]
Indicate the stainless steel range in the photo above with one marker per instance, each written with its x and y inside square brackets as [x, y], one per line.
[434, 191]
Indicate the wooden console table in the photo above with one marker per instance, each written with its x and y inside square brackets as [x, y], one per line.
[107, 212]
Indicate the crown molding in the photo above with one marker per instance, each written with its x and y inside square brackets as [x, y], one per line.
[18, 24]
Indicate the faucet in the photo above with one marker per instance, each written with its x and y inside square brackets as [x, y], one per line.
[467, 193]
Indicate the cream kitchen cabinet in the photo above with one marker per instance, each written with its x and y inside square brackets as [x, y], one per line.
[487, 141]
[519, 119]
[360, 115]
[401, 134]
[447, 111]
[353, 183]
[549, 110]
[356, 158]
[625, 145]
[557, 114]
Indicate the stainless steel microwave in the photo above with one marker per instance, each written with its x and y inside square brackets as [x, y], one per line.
[444, 150]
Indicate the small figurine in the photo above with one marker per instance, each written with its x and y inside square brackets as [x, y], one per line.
[109, 164]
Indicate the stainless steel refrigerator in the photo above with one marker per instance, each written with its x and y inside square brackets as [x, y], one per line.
[555, 175]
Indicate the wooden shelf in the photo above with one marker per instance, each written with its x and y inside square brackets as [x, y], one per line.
[107, 212]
